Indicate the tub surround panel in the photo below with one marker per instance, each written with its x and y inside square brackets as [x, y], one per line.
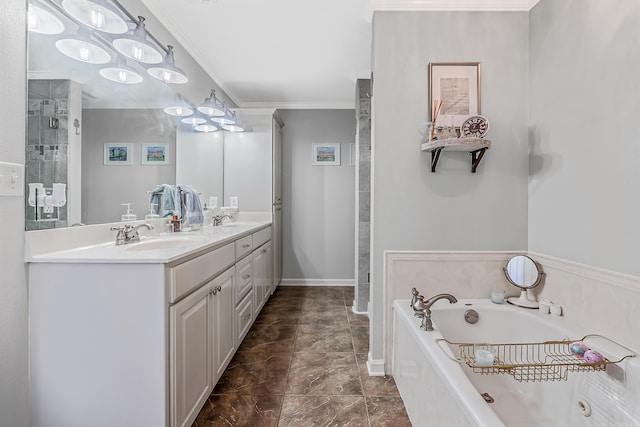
[604, 301]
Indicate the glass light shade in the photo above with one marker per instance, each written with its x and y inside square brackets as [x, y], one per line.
[206, 128]
[137, 47]
[224, 120]
[82, 50]
[167, 71]
[194, 120]
[121, 73]
[42, 21]
[211, 106]
[97, 15]
[178, 110]
[236, 127]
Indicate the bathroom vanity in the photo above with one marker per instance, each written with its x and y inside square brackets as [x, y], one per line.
[139, 334]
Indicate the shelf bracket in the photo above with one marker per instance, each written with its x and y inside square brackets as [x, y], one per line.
[435, 156]
[476, 156]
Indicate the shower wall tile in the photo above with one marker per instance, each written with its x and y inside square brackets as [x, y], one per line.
[364, 201]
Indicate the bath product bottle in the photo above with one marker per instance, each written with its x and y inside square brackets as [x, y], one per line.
[207, 215]
[176, 223]
[153, 208]
[129, 215]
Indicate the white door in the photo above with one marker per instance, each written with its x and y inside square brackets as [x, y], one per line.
[223, 324]
[190, 356]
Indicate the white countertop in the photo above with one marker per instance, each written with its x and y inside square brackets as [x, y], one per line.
[91, 246]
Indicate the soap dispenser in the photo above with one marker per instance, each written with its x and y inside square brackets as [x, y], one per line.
[153, 208]
[129, 215]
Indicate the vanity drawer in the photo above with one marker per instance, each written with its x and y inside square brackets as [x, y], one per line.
[191, 274]
[244, 246]
[261, 237]
[244, 317]
[244, 277]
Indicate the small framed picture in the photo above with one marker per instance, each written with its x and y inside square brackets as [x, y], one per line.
[454, 92]
[118, 154]
[326, 154]
[155, 153]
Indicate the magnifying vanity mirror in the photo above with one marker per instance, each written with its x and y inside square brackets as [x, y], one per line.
[524, 273]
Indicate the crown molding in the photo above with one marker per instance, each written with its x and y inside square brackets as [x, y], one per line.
[454, 5]
[301, 105]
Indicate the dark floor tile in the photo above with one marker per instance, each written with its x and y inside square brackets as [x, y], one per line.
[262, 372]
[357, 319]
[325, 411]
[360, 336]
[240, 411]
[323, 339]
[321, 303]
[327, 316]
[279, 318]
[267, 337]
[323, 374]
[387, 411]
[375, 386]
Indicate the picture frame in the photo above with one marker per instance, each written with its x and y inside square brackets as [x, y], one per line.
[155, 153]
[457, 85]
[118, 154]
[326, 154]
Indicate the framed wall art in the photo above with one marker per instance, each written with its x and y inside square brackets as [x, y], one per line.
[454, 92]
[155, 153]
[118, 154]
[326, 154]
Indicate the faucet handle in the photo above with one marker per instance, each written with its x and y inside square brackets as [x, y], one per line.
[414, 296]
[419, 306]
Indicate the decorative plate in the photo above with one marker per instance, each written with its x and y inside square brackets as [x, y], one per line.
[475, 126]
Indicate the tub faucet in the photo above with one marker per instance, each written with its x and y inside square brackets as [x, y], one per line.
[129, 233]
[426, 324]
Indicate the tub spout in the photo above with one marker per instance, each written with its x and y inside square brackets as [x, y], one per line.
[426, 324]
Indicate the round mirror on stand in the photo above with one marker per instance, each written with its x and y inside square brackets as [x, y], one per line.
[523, 272]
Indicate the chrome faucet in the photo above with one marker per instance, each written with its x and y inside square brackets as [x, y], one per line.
[426, 324]
[129, 233]
[217, 219]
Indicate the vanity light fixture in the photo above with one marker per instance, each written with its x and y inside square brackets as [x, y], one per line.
[180, 107]
[137, 47]
[42, 21]
[82, 49]
[206, 127]
[212, 106]
[120, 72]
[167, 70]
[226, 119]
[97, 15]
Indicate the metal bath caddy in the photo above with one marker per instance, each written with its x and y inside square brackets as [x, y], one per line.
[542, 361]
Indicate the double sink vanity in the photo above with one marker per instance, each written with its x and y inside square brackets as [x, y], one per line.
[138, 334]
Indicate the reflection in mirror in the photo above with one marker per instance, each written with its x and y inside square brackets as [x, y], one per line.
[97, 130]
[523, 272]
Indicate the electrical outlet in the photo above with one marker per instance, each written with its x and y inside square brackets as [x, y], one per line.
[233, 202]
[47, 209]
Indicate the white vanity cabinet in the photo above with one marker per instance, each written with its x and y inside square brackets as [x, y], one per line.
[263, 275]
[147, 337]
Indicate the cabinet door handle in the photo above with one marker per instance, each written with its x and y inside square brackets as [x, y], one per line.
[246, 276]
[246, 246]
[214, 291]
[219, 288]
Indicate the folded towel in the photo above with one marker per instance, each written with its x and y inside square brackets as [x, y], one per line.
[164, 197]
[190, 206]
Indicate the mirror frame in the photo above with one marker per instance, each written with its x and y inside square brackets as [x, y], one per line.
[538, 280]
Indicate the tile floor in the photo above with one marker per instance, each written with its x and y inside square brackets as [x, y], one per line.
[303, 364]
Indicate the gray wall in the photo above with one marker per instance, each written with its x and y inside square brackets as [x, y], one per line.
[104, 188]
[583, 192]
[452, 209]
[318, 201]
[14, 402]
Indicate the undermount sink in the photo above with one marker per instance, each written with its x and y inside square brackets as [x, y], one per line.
[164, 243]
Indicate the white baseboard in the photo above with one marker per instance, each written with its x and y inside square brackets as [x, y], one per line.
[375, 367]
[353, 309]
[317, 282]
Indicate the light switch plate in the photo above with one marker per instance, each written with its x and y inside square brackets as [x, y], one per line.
[11, 179]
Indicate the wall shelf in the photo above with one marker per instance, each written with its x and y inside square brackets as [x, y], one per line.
[476, 147]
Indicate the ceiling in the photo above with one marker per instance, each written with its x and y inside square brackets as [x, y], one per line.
[290, 53]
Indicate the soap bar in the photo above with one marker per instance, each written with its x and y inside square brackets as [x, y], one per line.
[578, 348]
[484, 358]
[592, 356]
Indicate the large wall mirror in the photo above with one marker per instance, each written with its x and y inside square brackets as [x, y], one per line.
[95, 143]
